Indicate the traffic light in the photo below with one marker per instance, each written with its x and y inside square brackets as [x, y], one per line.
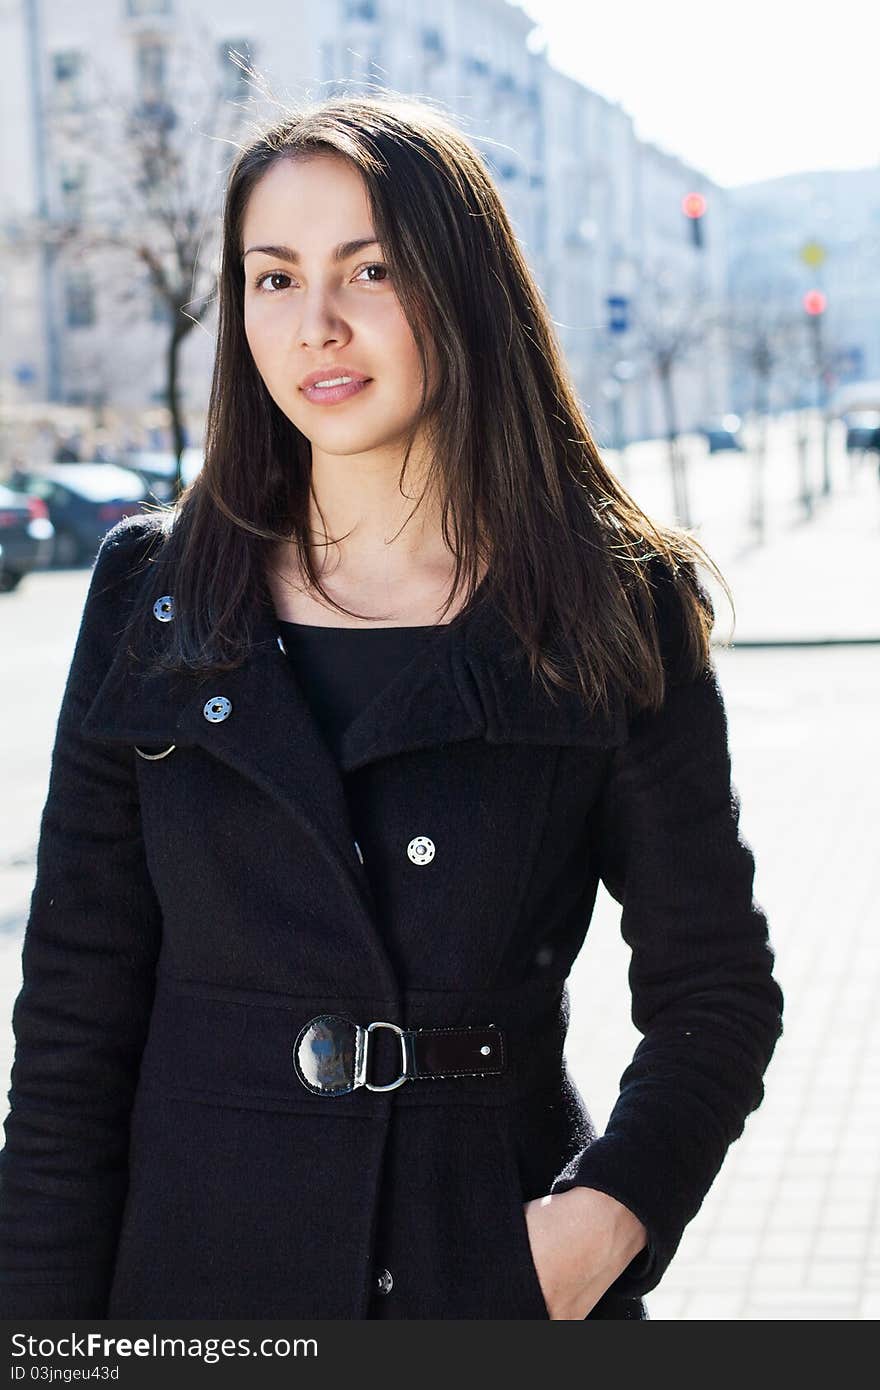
[815, 303]
[693, 205]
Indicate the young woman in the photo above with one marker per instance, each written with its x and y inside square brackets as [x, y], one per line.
[351, 735]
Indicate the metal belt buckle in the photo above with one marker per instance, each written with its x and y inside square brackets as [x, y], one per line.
[331, 1053]
[361, 1076]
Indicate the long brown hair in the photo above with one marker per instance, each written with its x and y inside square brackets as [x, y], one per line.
[524, 490]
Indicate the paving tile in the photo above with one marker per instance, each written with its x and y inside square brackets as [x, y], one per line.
[794, 1244]
[832, 1244]
[814, 1302]
[783, 1274]
[722, 1245]
[702, 1307]
[842, 1215]
[844, 1275]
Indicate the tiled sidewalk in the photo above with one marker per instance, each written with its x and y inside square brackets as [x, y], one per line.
[791, 1227]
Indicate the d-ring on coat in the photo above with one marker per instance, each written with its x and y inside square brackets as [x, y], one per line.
[192, 912]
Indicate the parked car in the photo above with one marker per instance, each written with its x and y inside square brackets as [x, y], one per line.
[157, 469]
[724, 434]
[26, 537]
[863, 431]
[83, 500]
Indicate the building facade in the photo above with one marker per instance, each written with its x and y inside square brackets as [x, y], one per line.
[597, 211]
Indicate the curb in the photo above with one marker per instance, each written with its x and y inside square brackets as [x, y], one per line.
[776, 642]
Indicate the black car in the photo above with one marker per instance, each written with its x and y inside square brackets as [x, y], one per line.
[27, 537]
[158, 469]
[724, 434]
[863, 431]
[83, 500]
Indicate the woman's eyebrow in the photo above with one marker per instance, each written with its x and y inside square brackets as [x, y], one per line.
[340, 252]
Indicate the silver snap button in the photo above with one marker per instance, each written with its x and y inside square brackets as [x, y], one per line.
[421, 850]
[485, 1049]
[384, 1281]
[163, 608]
[217, 708]
[358, 851]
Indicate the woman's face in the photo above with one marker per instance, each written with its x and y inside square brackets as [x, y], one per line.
[305, 311]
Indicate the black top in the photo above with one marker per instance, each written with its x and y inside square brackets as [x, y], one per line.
[341, 669]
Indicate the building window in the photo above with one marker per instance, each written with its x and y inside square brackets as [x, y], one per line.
[136, 8]
[72, 185]
[151, 69]
[67, 74]
[477, 63]
[432, 43]
[361, 9]
[80, 299]
[233, 76]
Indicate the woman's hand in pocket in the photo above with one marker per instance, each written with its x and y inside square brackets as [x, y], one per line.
[581, 1241]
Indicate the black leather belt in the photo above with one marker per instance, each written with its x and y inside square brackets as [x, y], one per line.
[332, 1053]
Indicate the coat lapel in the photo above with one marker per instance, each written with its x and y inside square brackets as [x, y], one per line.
[269, 734]
[468, 682]
[472, 682]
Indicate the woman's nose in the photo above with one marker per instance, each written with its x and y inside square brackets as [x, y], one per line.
[319, 319]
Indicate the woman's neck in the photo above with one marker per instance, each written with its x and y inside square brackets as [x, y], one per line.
[402, 598]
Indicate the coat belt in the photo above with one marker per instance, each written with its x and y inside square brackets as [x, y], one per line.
[246, 1046]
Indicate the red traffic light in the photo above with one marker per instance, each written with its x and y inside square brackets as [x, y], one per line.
[693, 205]
[814, 302]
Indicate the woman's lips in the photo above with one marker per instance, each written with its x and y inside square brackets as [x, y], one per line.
[330, 395]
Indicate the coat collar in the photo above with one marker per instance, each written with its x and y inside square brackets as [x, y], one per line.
[471, 681]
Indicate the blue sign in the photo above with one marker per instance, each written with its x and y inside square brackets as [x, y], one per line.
[618, 309]
[24, 373]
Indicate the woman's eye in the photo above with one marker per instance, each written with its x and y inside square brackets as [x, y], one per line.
[271, 275]
[375, 265]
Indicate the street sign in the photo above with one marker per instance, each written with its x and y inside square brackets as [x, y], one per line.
[618, 313]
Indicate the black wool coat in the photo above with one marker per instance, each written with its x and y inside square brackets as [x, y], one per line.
[191, 913]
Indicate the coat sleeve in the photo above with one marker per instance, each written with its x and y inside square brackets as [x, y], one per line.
[80, 1019]
[703, 993]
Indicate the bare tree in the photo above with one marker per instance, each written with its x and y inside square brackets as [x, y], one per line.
[670, 324]
[764, 340]
[156, 159]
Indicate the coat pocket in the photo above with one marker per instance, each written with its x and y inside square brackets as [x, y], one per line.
[451, 1226]
[525, 1259]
